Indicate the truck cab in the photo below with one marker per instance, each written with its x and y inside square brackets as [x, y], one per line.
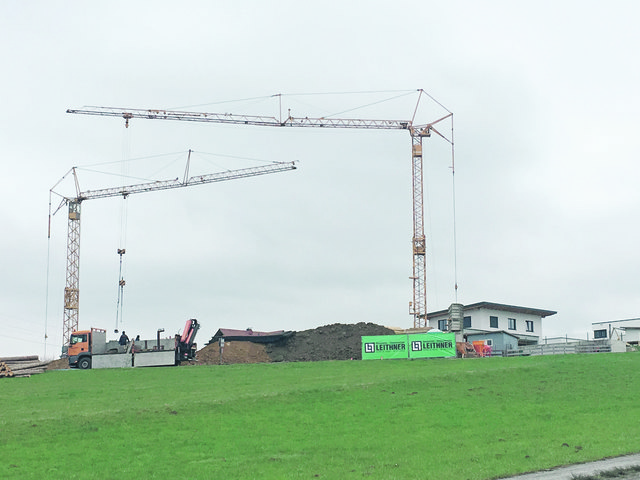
[81, 346]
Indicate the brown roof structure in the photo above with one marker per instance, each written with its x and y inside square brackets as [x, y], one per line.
[249, 335]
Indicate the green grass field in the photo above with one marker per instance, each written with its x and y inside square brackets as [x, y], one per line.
[430, 419]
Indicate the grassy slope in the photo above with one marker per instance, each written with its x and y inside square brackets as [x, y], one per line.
[436, 419]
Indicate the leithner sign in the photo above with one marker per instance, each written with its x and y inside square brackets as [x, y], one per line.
[432, 345]
[384, 346]
[415, 345]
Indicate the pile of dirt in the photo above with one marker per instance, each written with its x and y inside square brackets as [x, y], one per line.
[233, 352]
[330, 342]
[59, 364]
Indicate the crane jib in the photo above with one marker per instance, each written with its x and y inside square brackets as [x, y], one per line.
[176, 183]
[233, 119]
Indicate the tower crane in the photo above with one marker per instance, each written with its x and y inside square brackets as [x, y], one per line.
[418, 307]
[72, 285]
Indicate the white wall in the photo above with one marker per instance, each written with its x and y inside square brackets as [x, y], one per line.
[480, 321]
[630, 329]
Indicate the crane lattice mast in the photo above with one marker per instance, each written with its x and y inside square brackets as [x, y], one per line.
[418, 307]
[72, 285]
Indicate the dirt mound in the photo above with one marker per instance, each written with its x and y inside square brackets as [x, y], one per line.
[233, 352]
[331, 342]
[58, 364]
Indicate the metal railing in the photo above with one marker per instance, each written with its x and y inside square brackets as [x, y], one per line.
[582, 346]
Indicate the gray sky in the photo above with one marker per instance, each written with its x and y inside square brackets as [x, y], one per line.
[545, 105]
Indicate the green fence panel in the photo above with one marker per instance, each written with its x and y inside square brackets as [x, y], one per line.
[431, 345]
[414, 345]
[384, 346]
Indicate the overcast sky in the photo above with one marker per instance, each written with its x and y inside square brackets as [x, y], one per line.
[545, 102]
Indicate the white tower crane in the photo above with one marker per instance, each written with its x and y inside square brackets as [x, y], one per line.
[72, 286]
[418, 307]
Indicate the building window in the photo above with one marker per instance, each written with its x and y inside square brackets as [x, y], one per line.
[443, 325]
[493, 322]
[600, 333]
[529, 325]
[512, 324]
[466, 322]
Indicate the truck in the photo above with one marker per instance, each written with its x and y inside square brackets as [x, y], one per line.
[90, 349]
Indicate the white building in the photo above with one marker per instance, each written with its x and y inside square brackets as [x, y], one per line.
[625, 330]
[524, 323]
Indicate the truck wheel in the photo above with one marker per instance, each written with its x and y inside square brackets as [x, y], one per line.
[84, 363]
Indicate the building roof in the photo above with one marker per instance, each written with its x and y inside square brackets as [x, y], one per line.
[250, 335]
[635, 320]
[498, 306]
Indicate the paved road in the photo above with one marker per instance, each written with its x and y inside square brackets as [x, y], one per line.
[568, 473]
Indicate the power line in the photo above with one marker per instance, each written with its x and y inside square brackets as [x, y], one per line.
[371, 104]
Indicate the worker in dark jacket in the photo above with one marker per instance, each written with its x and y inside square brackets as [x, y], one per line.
[123, 339]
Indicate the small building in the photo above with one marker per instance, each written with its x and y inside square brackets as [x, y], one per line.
[249, 335]
[625, 330]
[483, 318]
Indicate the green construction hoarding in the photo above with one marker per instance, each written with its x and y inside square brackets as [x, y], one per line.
[413, 345]
[384, 346]
[432, 345]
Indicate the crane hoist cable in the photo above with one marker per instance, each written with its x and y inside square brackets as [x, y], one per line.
[124, 174]
[46, 295]
[453, 196]
[121, 284]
